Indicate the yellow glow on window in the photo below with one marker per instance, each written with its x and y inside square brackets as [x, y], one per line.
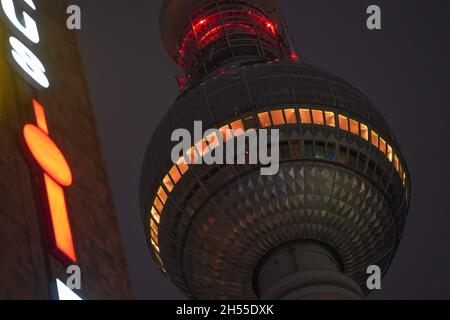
[305, 116]
[264, 120]
[291, 117]
[318, 117]
[175, 174]
[155, 215]
[382, 145]
[364, 132]
[202, 147]
[182, 165]
[343, 123]
[330, 119]
[154, 226]
[155, 245]
[396, 163]
[354, 127]
[390, 153]
[375, 139]
[168, 183]
[162, 195]
[223, 131]
[404, 179]
[158, 205]
[277, 117]
[213, 140]
[154, 238]
[192, 158]
[238, 128]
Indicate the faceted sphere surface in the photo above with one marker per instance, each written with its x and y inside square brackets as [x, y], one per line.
[332, 187]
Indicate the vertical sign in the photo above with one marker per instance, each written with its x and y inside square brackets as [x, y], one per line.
[57, 175]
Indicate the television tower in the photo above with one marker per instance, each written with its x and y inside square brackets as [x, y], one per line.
[339, 201]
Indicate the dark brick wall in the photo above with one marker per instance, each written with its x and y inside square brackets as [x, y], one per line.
[27, 270]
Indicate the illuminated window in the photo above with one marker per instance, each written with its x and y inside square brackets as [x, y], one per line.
[158, 205]
[175, 174]
[305, 116]
[162, 195]
[354, 127]
[343, 123]
[226, 137]
[396, 163]
[168, 183]
[390, 153]
[155, 215]
[154, 238]
[238, 128]
[154, 226]
[202, 147]
[290, 115]
[382, 145]
[182, 165]
[193, 158]
[375, 139]
[318, 117]
[404, 179]
[330, 120]
[155, 245]
[213, 140]
[277, 117]
[364, 132]
[264, 120]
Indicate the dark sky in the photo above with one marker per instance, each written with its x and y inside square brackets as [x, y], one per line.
[404, 69]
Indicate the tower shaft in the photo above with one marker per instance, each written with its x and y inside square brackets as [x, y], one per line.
[304, 270]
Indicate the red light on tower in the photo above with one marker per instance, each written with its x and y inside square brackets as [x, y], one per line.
[57, 174]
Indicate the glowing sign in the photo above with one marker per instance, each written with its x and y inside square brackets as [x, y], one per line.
[64, 293]
[57, 174]
[23, 56]
[29, 27]
[48, 155]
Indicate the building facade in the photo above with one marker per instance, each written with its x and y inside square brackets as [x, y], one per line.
[337, 205]
[56, 207]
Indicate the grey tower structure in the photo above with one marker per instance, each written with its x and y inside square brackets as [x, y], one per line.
[339, 201]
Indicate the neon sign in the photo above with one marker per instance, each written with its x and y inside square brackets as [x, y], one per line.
[56, 175]
[56, 172]
[24, 58]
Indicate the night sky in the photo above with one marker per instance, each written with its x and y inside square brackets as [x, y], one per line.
[404, 69]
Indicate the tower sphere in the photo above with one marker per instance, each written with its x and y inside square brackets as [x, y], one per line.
[339, 201]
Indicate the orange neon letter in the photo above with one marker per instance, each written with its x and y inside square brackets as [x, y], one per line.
[57, 174]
